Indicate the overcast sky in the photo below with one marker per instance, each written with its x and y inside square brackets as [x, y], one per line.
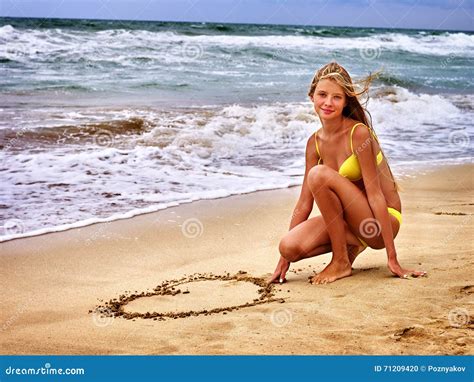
[419, 14]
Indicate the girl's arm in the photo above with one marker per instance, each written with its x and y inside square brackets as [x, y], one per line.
[364, 149]
[305, 203]
[303, 207]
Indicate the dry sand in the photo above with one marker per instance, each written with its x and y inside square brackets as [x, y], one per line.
[51, 283]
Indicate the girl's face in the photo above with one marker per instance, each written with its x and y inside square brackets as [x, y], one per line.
[329, 99]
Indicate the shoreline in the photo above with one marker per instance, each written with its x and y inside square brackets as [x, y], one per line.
[153, 209]
[55, 280]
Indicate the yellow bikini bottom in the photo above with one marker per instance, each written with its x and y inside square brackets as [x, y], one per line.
[391, 211]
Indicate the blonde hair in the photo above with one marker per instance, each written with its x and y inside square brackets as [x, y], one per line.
[355, 108]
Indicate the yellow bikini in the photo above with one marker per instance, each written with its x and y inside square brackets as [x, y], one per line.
[350, 169]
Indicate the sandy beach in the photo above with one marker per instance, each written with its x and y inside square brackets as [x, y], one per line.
[52, 284]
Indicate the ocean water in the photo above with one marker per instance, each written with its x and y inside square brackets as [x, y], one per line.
[102, 120]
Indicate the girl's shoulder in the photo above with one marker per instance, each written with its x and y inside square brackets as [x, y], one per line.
[353, 124]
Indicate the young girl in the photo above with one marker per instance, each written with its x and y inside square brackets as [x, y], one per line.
[348, 177]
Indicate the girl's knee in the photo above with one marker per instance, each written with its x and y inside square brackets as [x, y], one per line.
[289, 249]
[318, 175]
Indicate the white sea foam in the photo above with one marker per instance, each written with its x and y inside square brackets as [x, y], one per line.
[401, 169]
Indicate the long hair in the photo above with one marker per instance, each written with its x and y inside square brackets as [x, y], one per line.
[355, 107]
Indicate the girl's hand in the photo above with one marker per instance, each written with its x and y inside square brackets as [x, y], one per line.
[280, 271]
[397, 270]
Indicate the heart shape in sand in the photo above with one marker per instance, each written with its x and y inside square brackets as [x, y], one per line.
[199, 294]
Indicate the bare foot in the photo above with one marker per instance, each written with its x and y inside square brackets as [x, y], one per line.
[332, 272]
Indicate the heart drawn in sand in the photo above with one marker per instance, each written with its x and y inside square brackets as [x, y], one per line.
[198, 294]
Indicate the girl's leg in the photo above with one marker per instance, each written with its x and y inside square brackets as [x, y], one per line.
[311, 238]
[308, 239]
[343, 206]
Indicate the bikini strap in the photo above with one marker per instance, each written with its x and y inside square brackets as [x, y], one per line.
[370, 131]
[352, 132]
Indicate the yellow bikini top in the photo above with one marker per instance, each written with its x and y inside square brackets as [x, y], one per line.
[350, 168]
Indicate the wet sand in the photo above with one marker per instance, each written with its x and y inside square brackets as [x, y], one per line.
[62, 291]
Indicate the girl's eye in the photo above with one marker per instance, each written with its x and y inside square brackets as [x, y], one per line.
[337, 97]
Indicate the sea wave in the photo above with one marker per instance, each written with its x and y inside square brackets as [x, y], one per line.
[153, 158]
[69, 45]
